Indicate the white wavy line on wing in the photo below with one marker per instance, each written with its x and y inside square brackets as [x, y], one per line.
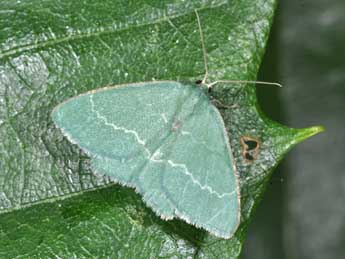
[152, 157]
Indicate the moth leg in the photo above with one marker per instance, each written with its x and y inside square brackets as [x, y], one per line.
[221, 105]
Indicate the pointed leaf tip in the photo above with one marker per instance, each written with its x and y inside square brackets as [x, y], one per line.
[305, 133]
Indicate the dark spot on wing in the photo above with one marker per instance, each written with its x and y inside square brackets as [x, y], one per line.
[176, 125]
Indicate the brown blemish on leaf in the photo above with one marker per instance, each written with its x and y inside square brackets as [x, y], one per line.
[250, 148]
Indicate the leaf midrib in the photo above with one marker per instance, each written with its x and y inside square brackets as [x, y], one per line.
[57, 198]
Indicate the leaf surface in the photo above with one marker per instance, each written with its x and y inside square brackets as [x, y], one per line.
[51, 203]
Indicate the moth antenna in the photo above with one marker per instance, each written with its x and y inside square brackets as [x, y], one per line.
[202, 39]
[203, 48]
[244, 82]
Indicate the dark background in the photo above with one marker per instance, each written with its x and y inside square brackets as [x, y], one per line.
[302, 214]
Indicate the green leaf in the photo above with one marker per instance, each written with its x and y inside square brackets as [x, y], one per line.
[50, 51]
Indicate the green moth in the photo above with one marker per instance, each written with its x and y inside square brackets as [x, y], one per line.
[167, 140]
